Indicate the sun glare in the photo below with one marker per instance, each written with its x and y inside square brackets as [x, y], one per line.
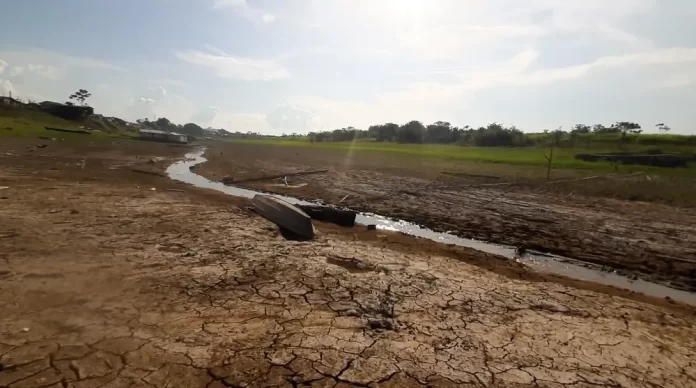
[401, 12]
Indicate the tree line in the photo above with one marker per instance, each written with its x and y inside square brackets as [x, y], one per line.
[441, 132]
[492, 135]
[163, 124]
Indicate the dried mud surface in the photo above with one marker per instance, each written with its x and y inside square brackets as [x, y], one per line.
[107, 283]
[651, 241]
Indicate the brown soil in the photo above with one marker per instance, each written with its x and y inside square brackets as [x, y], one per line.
[108, 283]
[652, 241]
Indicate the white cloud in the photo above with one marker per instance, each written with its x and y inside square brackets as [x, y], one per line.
[176, 108]
[140, 108]
[158, 90]
[205, 115]
[243, 7]
[673, 67]
[214, 49]
[516, 72]
[232, 67]
[293, 118]
[15, 71]
[6, 88]
[422, 30]
[229, 3]
[451, 41]
[41, 57]
[243, 122]
[46, 71]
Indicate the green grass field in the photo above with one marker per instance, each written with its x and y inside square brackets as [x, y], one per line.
[564, 158]
[20, 122]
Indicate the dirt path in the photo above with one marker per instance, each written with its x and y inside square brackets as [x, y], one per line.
[652, 241]
[107, 283]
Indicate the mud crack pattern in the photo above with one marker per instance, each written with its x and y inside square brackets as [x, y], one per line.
[167, 290]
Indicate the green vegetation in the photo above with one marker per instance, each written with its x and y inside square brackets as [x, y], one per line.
[81, 95]
[163, 124]
[620, 135]
[26, 122]
[564, 158]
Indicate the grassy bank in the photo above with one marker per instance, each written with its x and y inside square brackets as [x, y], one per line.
[22, 122]
[564, 158]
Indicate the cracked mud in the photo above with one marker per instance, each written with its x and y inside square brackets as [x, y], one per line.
[647, 240]
[145, 288]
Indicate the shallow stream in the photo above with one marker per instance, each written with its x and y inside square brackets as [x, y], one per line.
[181, 171]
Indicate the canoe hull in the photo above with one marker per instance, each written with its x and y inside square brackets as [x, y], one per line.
[284, 214]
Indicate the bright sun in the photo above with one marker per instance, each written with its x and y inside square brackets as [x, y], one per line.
[402, 11]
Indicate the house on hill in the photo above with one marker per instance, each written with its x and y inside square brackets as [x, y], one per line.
[68, 112]
[9, 101]
[167, 137]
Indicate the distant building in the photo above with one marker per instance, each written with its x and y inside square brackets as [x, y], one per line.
[68, 112]
[9, 101]
[167, 137]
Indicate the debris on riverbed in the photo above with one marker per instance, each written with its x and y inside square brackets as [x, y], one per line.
[228, 180]
[533, 258]
[81, 131]
[330, 214]
[659, 159]
[284, 214]
[297, 186]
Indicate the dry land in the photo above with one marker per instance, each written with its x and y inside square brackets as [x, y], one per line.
[586, 220]
[115, 276]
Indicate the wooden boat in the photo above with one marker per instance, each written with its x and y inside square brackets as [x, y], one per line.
[330, 214]
[284, 214]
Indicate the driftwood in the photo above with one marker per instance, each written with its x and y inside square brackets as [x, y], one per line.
[68, 130]
[297, 186]
[230, 180]
[147, 172]
[466, 175]
[658, 160]
[330, 214]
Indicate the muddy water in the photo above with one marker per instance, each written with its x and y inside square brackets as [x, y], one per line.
[180, 171]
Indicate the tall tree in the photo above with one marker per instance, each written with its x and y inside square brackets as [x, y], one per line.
[554, 142]
[581, 128]
[412, 132]
[626, 127]
[599, 128]
[439, 132]
[662, 128]
[81, 95]
[192, 129]
[384, 132]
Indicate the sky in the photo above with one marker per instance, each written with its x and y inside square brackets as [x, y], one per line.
[275, 66]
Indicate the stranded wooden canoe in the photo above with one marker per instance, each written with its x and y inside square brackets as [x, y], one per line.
[284, 214]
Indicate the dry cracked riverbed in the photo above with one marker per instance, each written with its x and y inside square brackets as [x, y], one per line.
[651, 241]
[107, 283]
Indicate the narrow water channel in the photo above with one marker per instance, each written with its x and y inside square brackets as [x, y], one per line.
[181, 171]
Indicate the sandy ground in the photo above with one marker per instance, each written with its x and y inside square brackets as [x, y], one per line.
[652, 241]
[107, 283]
